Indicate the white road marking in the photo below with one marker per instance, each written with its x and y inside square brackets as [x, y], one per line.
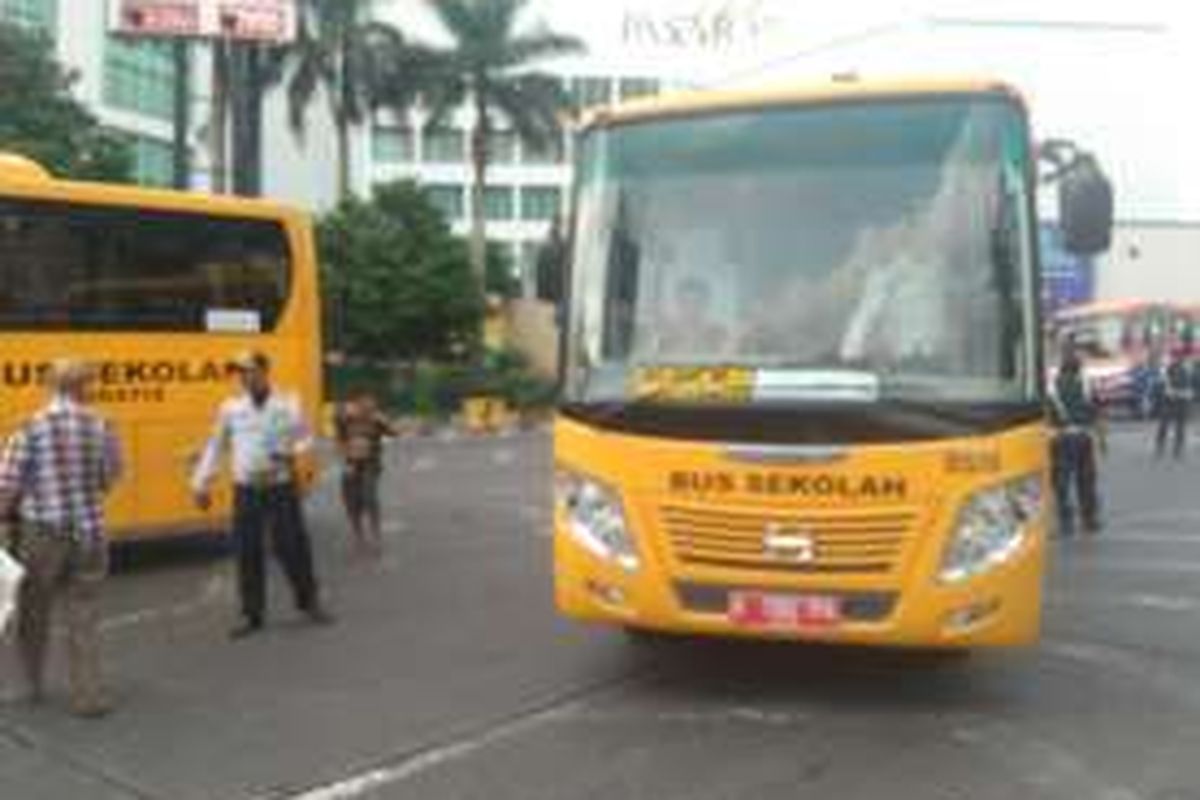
[1164, 603]
[1166, 516]
[1150, 602]
[423, 464]
[503, 457]
[395, 527]
[372, 780]
[727, 716]
[216, 590]
[1149, 538]
[1142, 566]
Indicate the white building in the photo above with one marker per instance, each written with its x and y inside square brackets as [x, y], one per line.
[130, 86]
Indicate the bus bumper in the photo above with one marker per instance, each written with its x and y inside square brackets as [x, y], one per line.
[1001, 608]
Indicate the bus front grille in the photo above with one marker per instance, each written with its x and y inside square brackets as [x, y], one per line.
[824, 542]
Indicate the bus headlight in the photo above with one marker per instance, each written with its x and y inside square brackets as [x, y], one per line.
[596, 518]
[991, 527]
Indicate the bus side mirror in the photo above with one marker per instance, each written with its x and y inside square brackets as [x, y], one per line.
[1085, 209]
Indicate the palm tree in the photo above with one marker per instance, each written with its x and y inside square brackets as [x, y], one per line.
[338, 48]
[488, 69]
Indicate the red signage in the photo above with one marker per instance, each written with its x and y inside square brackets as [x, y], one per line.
[160, 17]
[244, 20]
[258, 20]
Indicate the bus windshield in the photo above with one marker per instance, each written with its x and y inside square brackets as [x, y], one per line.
[831, 252]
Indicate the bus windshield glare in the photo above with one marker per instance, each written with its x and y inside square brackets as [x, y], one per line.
[835, 252]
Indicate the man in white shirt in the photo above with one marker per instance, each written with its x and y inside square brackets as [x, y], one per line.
[264, 432]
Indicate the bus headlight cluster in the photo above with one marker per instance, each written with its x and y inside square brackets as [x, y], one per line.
[991, 526]
[596, 518]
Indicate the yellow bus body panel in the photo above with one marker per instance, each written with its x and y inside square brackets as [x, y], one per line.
[161, 390]
[1001, 607]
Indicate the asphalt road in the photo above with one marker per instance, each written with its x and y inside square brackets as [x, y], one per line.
[448, 674]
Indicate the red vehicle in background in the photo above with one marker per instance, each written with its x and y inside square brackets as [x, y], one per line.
[1123, 344]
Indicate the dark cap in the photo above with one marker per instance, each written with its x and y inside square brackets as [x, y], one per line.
[251, 359]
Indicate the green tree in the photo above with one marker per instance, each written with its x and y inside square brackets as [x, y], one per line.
[399, 281]
[40, 119]
[488, 68]
[340, 50]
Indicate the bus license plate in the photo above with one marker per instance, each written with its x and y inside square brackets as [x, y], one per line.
[784, 611]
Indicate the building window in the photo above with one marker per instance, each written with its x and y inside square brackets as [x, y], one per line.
[553, 153]
[153, 161]
[32, 13]
[444, 146]
[629, 88]
[393, 145]
[448, 198]
[139, 76]
[540, 202]
[587, 92]
[502, 147]
[498, 203]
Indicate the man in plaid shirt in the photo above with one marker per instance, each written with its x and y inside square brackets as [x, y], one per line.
[57, 469]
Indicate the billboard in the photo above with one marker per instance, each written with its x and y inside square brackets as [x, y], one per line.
[272, 21]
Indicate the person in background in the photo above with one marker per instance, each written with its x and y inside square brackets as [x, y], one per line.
[264, 432]
[361, 428]
[1177, 392]
[55, 471]
[1078, 435]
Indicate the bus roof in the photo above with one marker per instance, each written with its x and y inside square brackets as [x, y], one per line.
[690, 103]
[22, 178]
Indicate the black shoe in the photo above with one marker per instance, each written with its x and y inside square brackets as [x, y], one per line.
[319, 616]
[245, 628]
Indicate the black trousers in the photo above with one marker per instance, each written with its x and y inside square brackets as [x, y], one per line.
[1075, 469]
[257, 510]
[1172, 418]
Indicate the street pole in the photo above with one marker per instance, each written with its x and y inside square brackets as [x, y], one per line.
[247, 94]
[182, 166]
[219, 118]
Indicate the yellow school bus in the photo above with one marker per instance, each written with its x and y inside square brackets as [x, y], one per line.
[158, 290]
[801, 360]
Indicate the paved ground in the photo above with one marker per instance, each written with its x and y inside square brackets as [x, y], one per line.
[448, 675]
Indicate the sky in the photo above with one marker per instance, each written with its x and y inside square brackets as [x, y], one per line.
[766, 29]
[1115, 76]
